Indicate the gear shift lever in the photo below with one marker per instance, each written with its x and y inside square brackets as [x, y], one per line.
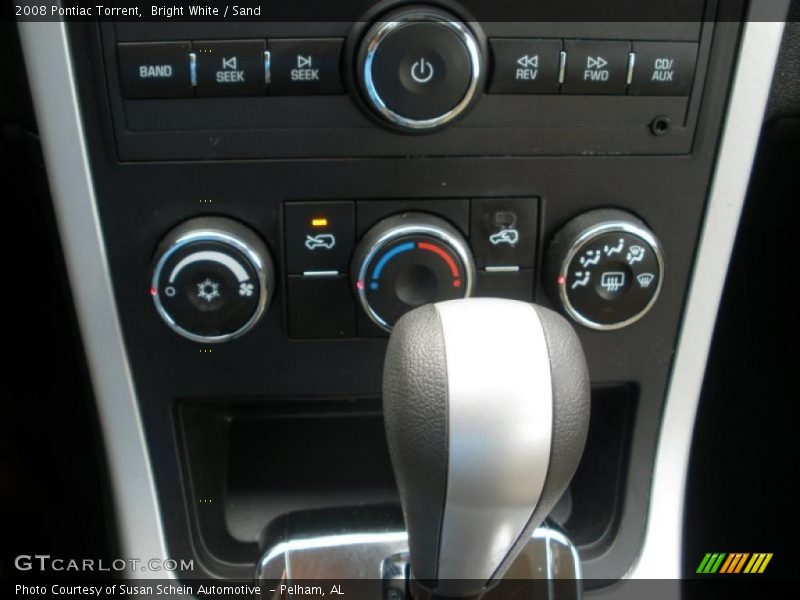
[486, 407]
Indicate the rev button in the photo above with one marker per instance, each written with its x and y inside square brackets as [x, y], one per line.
[233, 68]
[524, 66]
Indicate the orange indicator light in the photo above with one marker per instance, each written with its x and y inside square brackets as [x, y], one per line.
[319, 222]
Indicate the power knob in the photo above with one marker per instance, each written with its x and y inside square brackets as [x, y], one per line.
[605, 268]
[420, 67]
[212, 279]
[409, 260]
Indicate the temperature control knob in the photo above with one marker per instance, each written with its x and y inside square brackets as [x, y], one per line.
[605, 268]
[409, 260]
[213, 279]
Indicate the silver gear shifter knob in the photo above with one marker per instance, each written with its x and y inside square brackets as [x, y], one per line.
[486, 407]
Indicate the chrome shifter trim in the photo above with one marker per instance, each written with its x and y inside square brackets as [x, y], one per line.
[499, 432]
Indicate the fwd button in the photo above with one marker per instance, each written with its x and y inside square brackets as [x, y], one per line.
[596, 67]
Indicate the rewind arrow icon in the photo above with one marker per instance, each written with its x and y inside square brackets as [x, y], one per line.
[531, 62]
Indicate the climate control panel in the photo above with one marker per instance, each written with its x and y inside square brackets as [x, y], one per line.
[354, 268]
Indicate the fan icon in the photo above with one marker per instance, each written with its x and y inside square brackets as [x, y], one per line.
[246, 289]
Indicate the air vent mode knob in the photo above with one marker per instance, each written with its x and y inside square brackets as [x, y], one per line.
[420, 68]
[409, 260]
[212, 280]
[605, 268]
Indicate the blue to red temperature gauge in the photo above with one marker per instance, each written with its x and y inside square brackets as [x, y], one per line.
[409, 260]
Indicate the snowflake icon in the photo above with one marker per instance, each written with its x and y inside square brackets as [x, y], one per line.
[246, 289]
[208, 290]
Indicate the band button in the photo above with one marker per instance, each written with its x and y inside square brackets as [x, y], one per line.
[155, 69]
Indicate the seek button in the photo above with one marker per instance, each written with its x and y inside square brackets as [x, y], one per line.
[230, 68]
[305, 66]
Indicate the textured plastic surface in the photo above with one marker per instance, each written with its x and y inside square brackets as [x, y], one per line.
[415, 375]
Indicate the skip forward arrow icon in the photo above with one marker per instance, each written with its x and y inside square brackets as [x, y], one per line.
[595, 62]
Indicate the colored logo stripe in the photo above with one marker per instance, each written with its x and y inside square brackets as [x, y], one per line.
[710, 563]
[758, 563]
[721, 562]
[734, 563]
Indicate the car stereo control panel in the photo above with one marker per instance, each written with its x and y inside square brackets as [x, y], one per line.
[475, 88]
[310, 66]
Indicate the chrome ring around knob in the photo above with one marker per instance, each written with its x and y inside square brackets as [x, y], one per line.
[581, 240]
[392, 23]
[248, 250]
[408, 225]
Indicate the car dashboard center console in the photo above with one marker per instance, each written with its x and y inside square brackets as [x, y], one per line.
[272, 196]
